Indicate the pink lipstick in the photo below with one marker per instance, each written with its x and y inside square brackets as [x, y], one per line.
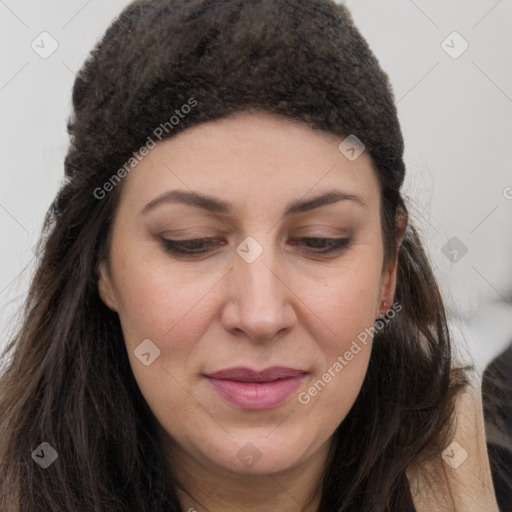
[251, 389]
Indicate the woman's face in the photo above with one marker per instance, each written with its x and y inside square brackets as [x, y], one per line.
[260, 295]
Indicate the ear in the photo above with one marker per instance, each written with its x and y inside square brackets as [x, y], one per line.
[105, 287]
[388, 278]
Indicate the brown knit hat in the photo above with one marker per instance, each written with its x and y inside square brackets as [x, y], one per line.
[231, 55]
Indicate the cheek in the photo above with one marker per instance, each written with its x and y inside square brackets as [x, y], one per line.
[161, 304]
[333, 389]
[347, 307]
[347, 304]
[166, 308]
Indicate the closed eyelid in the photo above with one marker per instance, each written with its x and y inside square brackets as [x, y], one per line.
[196, 246]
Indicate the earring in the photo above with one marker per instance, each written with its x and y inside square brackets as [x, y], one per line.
[384, 304]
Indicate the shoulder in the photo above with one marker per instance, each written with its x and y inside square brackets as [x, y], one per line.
[459, 479]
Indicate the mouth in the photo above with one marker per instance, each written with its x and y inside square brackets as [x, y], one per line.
[251, 389]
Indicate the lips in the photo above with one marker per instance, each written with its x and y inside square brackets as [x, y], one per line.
[251, 389]
[243, 374]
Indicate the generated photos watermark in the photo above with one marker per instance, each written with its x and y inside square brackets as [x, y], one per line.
[344, 360]
[158, 133]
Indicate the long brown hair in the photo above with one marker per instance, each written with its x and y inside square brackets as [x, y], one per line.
[68, 380]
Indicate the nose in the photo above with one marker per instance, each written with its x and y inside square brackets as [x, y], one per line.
[260, 301]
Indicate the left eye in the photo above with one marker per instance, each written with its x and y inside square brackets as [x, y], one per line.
[197, 246]
[326, 245]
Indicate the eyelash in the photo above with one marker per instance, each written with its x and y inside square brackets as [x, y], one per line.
[179, 247]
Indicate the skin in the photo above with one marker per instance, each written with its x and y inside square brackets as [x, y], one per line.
[290, 307]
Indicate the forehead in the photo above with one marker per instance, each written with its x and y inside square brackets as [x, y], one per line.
[256, 159]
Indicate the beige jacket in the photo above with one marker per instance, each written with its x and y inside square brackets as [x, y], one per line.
[460, 479]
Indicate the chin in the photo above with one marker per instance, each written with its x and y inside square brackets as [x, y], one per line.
[268, 452]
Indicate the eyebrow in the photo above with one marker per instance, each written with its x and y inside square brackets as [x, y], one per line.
[215, 205]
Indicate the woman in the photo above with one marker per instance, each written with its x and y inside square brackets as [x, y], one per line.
[232, 310]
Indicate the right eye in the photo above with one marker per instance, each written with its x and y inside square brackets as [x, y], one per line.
[191, 247]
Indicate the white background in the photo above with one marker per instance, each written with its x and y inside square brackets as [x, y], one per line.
[456, 117]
